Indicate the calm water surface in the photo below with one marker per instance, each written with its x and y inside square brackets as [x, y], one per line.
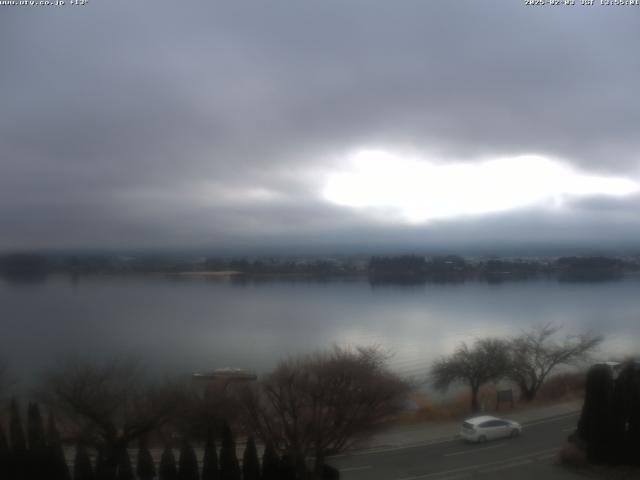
[191, 325]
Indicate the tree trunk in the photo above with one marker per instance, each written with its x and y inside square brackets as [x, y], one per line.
[527, 393]
[109, 466]
[112, 452]
[475, 406]
[301, 466]
[318, 463]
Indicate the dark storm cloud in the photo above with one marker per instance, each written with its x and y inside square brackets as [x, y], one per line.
[129, 123]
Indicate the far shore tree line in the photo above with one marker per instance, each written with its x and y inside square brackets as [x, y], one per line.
[380, 269]
[418, 269]
[307, 409]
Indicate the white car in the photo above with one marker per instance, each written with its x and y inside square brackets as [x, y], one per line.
[481, 429]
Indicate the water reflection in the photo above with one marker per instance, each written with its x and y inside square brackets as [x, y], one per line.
[183, 324]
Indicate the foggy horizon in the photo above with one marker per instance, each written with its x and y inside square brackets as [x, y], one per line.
[489, 249]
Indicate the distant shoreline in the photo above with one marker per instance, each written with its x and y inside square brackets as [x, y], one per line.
[402, 269]
[222, 273]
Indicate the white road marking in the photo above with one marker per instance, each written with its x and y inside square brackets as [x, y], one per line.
[395, 449]
[438, 441]
[472, 450]
[506, 466]
[549, 420]
[547, 457]
[479, 466]
[353, 469]
[571, 429]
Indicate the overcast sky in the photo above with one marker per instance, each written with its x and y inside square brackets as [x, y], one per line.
[362, 123]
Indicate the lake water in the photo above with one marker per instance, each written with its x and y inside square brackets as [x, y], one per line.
[194, 324]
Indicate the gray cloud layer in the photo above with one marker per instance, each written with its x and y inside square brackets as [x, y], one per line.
[211, 123]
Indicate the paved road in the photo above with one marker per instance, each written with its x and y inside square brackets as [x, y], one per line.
[531, 456]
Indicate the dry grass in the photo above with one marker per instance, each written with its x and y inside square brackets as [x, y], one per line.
[455, 407]
[560, 388]
[564, 386]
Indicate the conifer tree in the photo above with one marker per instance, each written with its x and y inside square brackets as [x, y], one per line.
[270, 463]
[596, 424]
[210, 459]
[35, 428]
[102, 471]
[17, 442]
[167, 469]
[125, 470]
[250, 462]
[330, 473]
[82, 469]
[145, 467]
[188, 463]
[57, 463]
[37, 453]
[633, 437]
[229, 467]
[5, 456]
[287, 470]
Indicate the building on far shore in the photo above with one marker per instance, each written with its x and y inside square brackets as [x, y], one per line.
[220, 379]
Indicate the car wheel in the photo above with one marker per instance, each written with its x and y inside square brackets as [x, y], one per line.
[515, 433]
[482, 439]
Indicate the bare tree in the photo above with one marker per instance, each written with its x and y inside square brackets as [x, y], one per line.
[317, 405]
[536, 353]
[485, 361]
[109, 404]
